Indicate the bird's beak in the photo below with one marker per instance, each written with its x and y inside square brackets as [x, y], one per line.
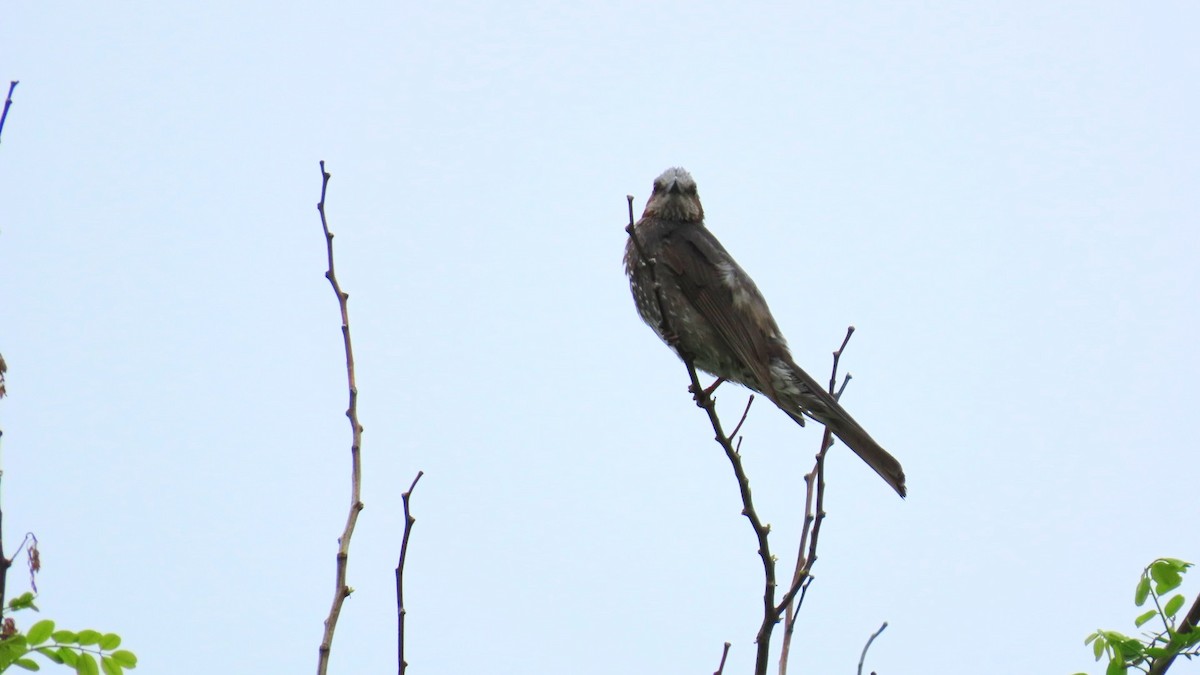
[673, 188]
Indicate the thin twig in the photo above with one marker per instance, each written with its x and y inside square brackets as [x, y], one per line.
[5, 563]
[400, 611]
[845, 381]
[7, 103]
[724, 655]
[819, 511]
[867, 646]
[33, 558]
[814, 485]
[663, 325]
[837, 357]
[743, 420]
[770, 612]
[799, 575]
[341, 591]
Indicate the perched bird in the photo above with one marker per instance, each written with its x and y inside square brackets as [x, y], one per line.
[718, 318]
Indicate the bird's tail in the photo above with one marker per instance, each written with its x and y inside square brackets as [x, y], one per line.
[824, 408]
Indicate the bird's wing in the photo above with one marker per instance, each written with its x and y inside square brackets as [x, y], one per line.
[727, 298]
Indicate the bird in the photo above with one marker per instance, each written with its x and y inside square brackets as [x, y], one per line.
[717, 317]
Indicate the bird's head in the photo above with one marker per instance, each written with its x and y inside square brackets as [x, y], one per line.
[675, 197]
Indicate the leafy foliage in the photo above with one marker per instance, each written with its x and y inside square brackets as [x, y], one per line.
[88, 652]
[1158, 580]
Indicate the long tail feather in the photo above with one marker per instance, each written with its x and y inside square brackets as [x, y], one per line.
[823, 407]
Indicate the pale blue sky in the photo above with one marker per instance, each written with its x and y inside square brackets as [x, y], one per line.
[1000, 196]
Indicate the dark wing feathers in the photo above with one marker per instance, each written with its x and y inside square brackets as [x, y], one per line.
[696, 260]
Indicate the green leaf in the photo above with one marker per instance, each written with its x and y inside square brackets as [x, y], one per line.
[40, 631]
[1132, 649]
[1170, 610]
[64, 637]
[22, 601]
[125, 658]
[110, 641]
[50, 653]
[1098, 647]
[1115, 667]
[87, 665]
[28, 664]
[1141, 620]
[110, 667]
[89, 637]
[1143, 590]
[1166, 576]
[69, 656]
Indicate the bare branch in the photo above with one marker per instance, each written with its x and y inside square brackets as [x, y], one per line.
[400, 611]
[815, 486]
[724, 655]
[837, 356]
[5, 563]
[341, 591]
[867, 646]
[743, 420]
[818, 513]
[837, 396]
[663, 324]
[7, 103]
[799, 575]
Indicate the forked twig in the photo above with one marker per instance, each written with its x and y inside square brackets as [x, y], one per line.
[814, 486]
[400, 611]
[341, 591]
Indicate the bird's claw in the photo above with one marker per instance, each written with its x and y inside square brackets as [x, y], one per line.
[704, 393]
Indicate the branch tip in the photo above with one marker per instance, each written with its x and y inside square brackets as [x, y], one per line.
[342, 590]
[401, 613]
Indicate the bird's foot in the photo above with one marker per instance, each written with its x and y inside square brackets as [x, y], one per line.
[705, 393]
[713, 387]
[670, 337]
